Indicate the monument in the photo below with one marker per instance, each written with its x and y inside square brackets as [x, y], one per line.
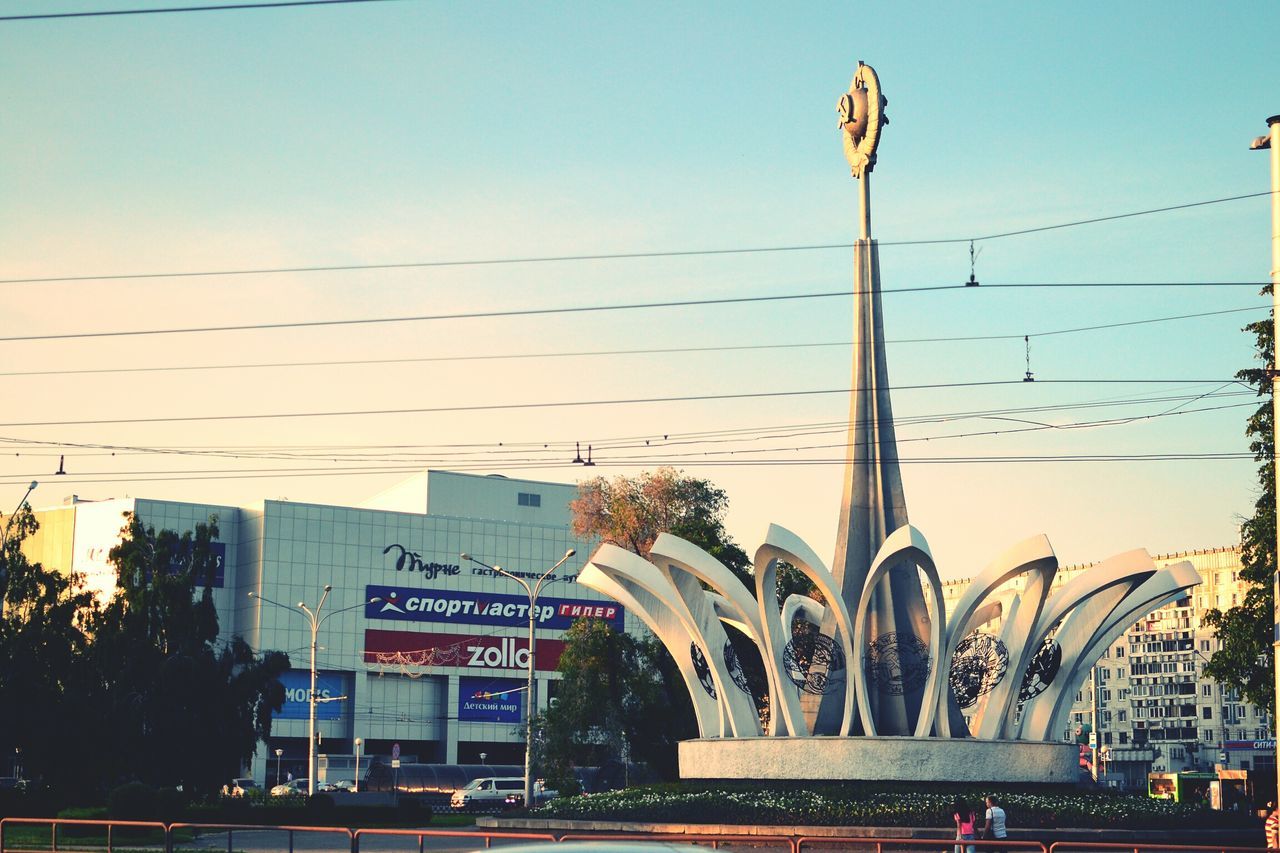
[877, 681]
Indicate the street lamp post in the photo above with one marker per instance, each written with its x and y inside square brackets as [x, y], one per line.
[1272, 141]
[279, 760]
[356, 782]
[315, 621]
[4, 536]
[533, 592]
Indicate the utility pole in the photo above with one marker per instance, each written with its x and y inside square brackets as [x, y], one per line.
[1094, 736]
[1272, 141]
[531, 708]
[314, 621]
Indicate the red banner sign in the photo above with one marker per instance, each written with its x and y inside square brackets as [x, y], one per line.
[417, 648]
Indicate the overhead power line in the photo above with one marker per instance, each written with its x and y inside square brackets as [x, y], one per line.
[169, 368]
[227, 7]
[1173, 456]
[614, 256]
[488, 407]
[716, 436]
[581, 309]
[557, 455]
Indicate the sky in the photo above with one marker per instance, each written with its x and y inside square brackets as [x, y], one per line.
[412, 131]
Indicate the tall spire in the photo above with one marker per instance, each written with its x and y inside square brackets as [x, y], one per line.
[874, 504]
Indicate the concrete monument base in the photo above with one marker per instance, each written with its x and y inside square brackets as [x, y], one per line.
[896, 759]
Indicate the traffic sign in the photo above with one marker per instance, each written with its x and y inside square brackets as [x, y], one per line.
[395, 764]
[395, 752]
[1093, 740]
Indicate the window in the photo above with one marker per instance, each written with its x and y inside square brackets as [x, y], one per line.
[1124, 738]
[1206, 689]
[529, 499]
[1119, 651]
[1207, 713]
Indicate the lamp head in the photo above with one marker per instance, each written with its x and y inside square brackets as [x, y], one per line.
[570, 553]
[464, 555]
[302, 604]
[33, 485]
[251, 594]
[328, 587]
[375, 600]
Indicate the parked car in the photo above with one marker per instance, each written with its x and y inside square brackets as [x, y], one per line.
[342, 786]
[241, 786]
[292, 788]
[541, 794]
[486, 793]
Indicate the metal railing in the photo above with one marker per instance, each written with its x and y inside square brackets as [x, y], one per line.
[712, 840]
[1059, 846]
[172, 835]
[111, 826]
[423, 834]
[932, 844]
[232, 828]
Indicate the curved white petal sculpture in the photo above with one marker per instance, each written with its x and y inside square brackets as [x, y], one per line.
[687, 567]
[610, 572]
[906, 544]
[783, 546]
[1034, 557]
[1169, 584]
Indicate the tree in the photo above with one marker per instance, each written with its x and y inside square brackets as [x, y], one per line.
[612, 705]
[182, 709]
[630, 512]
[1245, 659]
[42, 662]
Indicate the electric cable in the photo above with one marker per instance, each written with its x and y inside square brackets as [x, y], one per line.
[617, 352]
[561, 404]
[689, 455]
[581, 309]
[45, 16]
[620, 255]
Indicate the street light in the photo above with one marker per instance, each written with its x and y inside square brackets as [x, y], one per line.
[356, 782]
[4, 537]
[279, 759]
[533, 592]
[313, 617]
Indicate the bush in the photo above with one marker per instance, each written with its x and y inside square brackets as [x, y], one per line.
[881, 804]
[132, 801]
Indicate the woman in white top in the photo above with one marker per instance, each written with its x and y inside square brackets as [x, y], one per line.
[994, 826]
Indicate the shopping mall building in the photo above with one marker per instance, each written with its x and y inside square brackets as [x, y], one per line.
[410, 666]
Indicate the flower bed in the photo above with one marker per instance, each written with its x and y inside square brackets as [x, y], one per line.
[866, 804]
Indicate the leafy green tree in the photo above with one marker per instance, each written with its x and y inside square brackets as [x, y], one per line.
[1244, 659]
[182, 707]
[612, 705]
[43, 646]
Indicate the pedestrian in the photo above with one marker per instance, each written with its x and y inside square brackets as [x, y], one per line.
[1273, 827]
[965, 820]
[994, 825]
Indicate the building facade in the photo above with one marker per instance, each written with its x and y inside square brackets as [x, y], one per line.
[437, 665]
[1148, 700]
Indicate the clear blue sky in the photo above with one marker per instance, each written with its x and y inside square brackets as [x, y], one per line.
[413, 130]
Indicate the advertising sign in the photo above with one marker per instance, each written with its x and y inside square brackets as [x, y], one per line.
[484, 608]
[329, 685]
[481, 653]
[490, 700]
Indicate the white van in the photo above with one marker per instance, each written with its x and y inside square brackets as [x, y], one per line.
[487, 792]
